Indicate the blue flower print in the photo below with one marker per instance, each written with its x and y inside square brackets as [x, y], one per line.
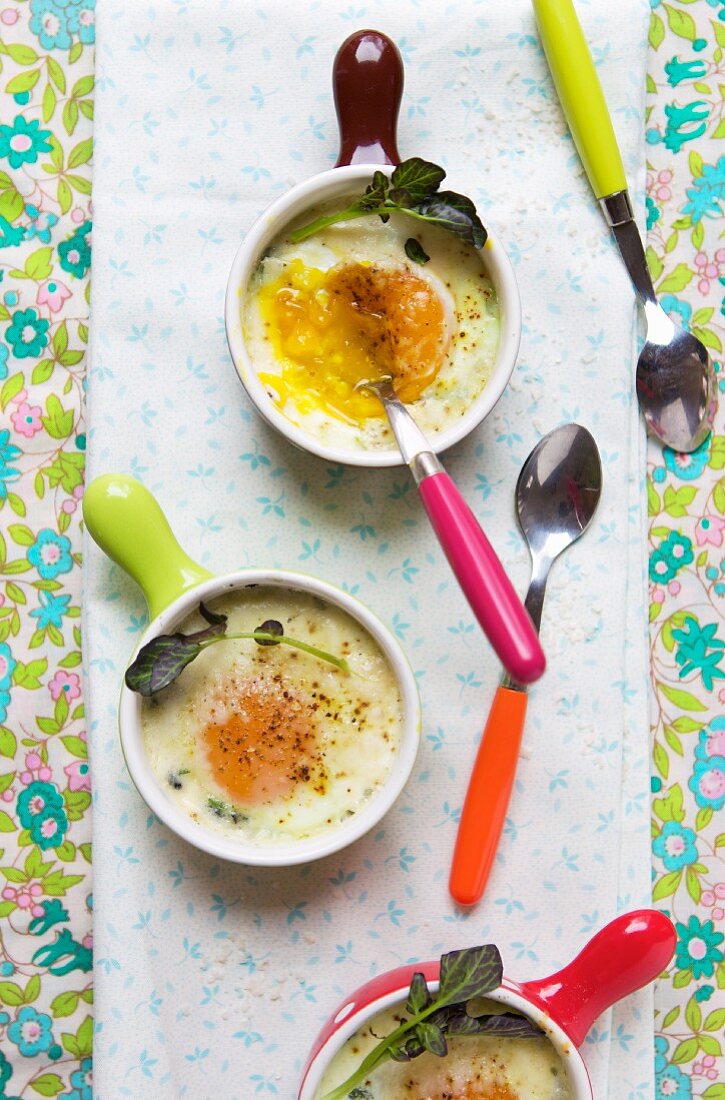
[684, 123]
[672, 1084]
[7, 667]
[6, 1072]
[3, 360]
[51, 611]
[50, 23]
[711, 741]
[75, 253]
[82, 20]
[677, 70]
[707, 193]
[679, 311]
[675, 846]
[27, 333]
[37, 800]
[32, 1032]
[8, 451]
[50, 554]
[699, 650]
[671, 555]
[653, 213]
[82, 1080]
[22, 141]
[48, 829]
[688, 467]
[707, 782]
[41, 223]
[697, 947]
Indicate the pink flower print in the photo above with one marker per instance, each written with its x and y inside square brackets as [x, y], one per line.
[709, 529]
[66, 682]
[709, 270]
[79, 777]
[26, 419]
[52, 294]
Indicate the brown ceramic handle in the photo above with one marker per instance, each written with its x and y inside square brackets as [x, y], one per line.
[367, 79]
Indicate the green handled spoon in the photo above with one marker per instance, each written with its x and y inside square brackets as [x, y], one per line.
[676, 384]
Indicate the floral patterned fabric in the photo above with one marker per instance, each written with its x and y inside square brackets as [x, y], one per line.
[686, 496]
[46, 81]
[46, 86]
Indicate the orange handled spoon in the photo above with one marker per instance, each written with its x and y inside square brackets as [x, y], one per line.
[556, 496]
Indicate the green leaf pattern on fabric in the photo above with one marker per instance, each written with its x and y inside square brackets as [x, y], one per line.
[46, 995]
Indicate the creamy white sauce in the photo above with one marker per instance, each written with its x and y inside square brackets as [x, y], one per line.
[468, 298]
[353, 721]
[475, 1068]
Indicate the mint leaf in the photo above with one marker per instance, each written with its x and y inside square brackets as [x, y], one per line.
[420, 178]
[414, 251]
[418, 996]
[160, 662]
[457, 214]
[472, 972]
[431, 1038]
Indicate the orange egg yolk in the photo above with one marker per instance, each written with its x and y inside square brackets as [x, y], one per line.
[264, 745]
[473, 1091]
[333, 329]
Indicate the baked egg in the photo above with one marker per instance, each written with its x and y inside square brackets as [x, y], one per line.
[476, 1067]
[322, 316]
[268, 743]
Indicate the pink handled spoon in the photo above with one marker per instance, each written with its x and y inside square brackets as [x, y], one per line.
[501, 614]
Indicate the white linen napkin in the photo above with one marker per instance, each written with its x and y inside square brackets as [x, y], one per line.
[212, 979]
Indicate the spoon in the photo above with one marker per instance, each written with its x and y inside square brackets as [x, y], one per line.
[480, 574]
[676, 384]
[556, 496]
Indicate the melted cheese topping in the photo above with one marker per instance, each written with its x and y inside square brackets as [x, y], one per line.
[269, 743]
[475, 1068]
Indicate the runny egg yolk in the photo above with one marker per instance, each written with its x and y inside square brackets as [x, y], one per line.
[263, 745]
[333, 329]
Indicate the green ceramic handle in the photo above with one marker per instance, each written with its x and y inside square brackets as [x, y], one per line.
[581, 94]
[127, 523]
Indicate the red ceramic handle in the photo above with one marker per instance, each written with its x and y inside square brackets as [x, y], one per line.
[487, 797]
[367, 80]
[501, 614]
[628, 953]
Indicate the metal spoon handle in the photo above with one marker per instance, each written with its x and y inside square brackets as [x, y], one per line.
[487, 797]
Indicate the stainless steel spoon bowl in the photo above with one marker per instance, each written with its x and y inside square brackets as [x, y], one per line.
[556, 497]
[676, 384]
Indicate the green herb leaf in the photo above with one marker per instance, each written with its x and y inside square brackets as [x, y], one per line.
[414, 251]
[431, 1038]
[419, 995]
[420, 178]
[375, 192]
[457, 214]
[269, 626]
[472, 972]
[214, 618]
[412, 189]
[464, 976]
[160, 662]
[506, 1024]
[164, 658]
